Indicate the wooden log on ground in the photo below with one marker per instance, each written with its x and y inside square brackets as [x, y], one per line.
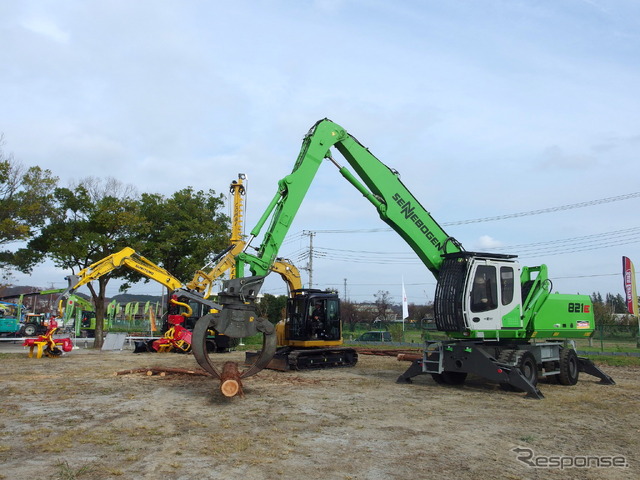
[230, 384]
[409, 357]
[133, 370]
[162, 371]
[180, 371]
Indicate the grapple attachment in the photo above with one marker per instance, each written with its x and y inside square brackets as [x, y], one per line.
[236, 319]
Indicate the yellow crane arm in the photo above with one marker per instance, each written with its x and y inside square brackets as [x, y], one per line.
[126, 257]
[289, 273]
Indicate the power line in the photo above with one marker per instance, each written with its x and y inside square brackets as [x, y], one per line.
[551, 247]
[541, 211]
[550, 210]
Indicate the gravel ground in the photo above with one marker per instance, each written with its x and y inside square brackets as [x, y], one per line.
[72, 418]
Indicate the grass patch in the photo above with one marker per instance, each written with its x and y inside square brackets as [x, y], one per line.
[12, 355]
[65, 472]
[615, 361]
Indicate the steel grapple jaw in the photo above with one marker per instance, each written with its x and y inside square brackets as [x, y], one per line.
[236, 319]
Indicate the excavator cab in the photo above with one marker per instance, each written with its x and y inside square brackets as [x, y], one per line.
[478, 294]
[313, 318]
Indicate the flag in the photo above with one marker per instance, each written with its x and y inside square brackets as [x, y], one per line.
[629, 275]
[405, 306]
[152, 320]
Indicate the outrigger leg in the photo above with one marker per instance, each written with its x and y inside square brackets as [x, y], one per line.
[587, 366]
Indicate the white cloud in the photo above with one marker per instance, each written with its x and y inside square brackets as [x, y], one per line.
[487, 242]
[47, 28]
[554, 157]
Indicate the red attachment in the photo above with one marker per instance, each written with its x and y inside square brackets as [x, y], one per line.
[48, 340]
[173, 337]
[182, 334]
[175, 319]
[67, 346]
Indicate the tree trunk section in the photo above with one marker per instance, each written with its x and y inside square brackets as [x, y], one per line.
[230, 384]
[409, 357]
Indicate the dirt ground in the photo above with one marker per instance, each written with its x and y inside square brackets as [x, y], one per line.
[72, 418]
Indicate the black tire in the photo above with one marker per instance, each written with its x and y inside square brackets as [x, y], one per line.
[569, 369]
[54, 352]
[30, 330]
[526, 363]
[528, 367]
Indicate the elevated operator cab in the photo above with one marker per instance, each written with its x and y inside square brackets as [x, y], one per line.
[479, 296]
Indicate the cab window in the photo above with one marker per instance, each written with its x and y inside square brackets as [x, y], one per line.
[506, 284]
[484, 293]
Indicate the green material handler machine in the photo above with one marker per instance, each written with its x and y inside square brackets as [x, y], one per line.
[502, 321]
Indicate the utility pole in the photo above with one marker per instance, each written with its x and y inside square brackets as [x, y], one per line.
[345, 289]
[309, 267]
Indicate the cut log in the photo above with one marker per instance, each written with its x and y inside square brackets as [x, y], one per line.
[133, 370]
[162, 371]
[409, 357]
[230, 384]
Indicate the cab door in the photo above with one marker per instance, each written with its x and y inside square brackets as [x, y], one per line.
[493, 296]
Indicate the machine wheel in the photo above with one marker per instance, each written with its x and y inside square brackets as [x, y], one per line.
[569, 369]
[528, 367]
[54, 352]
[30, 330]
[211, 346]
[526, 363]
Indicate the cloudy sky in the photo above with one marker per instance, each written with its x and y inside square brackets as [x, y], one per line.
[487, 109]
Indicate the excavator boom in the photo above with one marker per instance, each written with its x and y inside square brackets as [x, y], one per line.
[378, 183]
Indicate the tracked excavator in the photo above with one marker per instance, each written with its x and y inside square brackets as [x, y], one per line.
[503, 322]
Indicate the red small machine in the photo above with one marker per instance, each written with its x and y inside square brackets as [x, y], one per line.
[47, 344]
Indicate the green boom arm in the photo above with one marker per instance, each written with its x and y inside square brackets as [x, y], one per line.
[378, 183]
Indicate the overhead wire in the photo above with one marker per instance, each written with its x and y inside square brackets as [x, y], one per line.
[541, 211]
[551, 247]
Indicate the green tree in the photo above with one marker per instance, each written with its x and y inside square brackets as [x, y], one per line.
[26, 202]
[348, 315]
[602, 312]
[93, 219]
[272, 307]
[616, 302]
[383, 305]
[419, 313]
[184, 230]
